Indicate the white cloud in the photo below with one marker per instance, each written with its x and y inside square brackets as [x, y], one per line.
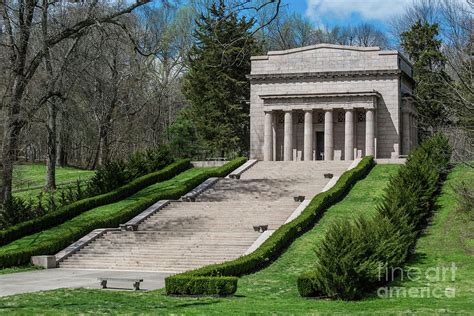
[382, 10]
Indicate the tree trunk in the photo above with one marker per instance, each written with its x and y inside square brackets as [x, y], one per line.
[51, 152]
[103, 145]
[10, 141]
[12, 130]
[59, 142]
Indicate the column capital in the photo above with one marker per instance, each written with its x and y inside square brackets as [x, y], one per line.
[287, 110]
[328, 110]
[267, 111]
[308, 110]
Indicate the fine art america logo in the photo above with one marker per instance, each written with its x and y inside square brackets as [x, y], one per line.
[431, 279]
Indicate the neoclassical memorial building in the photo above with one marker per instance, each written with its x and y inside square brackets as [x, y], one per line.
[331, 102]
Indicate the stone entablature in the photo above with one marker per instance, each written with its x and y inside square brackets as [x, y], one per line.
[331, 102]
[322, 101]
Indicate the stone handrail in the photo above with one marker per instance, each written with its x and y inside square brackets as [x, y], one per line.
[71, 249]
[134, 222]
[238, 172]
[193, 194]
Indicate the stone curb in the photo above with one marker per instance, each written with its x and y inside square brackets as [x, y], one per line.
[260, 240]
[396, 161]
[298, 211]
[193, 194]
[238, 172]
[132, 224]
[354, 163]
[71, 249]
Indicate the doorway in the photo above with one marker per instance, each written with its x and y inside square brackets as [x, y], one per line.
[319, 145]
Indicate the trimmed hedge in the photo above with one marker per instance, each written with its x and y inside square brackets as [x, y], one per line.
[72, 210]
[222, 286]
[271, 249]
[19, 253]
[353, 253]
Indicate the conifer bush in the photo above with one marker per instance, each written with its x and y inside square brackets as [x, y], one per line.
[353, 253]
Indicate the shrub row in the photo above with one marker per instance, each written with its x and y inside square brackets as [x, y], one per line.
[354, 255]
[77, 227]
[72, 210]
[116, 173]
[196, 281]
[199, 285]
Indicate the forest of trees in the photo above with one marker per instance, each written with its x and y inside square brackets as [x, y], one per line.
[85, 82]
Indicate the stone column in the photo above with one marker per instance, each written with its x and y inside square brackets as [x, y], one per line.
[268, 137]
[369, 132]
[328, 135]
[308, 135]
[288, 137]
[349, 135]
[405, 133]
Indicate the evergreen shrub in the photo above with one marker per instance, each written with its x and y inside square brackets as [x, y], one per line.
[354, 254]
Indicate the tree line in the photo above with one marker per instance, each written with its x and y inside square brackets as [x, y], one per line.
[83, 83]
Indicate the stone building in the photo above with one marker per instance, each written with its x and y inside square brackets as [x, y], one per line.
[331, 102]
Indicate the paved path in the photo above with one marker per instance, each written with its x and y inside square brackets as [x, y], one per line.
[42, 280]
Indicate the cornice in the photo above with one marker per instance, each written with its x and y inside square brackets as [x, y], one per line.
[324, 75]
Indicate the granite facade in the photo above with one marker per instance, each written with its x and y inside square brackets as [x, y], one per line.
[341, 78]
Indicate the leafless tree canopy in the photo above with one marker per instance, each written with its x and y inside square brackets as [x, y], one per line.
[83, 82]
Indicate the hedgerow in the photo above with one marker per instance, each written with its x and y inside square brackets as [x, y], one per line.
[196, 281]
[112, 175]
[20, 252]
[353, 253]
[65, 213]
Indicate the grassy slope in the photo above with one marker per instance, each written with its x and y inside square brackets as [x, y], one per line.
[102, 211]
[274, 290]
[20, 269]
[31, 175]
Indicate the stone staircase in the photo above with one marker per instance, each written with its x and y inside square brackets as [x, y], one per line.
[217, 227]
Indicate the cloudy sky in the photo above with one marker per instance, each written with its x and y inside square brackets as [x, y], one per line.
[344, 12]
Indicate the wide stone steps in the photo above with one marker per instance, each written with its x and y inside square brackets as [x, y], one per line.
[166, 268]
[218, 227]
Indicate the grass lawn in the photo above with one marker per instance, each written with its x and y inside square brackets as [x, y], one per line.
[273, 290]
[33, 175]
[19, 269]
[28, 177]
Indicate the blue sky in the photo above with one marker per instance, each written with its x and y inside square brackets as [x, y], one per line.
[347, 12]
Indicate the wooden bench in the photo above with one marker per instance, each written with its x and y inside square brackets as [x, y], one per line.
[136, 282]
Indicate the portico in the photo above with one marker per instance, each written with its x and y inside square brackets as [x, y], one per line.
[331, 102]
[313, 115]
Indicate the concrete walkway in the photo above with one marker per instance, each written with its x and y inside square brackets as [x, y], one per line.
[42, 280]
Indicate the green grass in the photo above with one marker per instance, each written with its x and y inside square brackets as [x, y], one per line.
[33, 175]
[102, 212]
[28, 177]
[25, 268]
[273, 290]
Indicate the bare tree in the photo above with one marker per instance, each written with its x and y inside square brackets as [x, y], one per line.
[23, 61]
